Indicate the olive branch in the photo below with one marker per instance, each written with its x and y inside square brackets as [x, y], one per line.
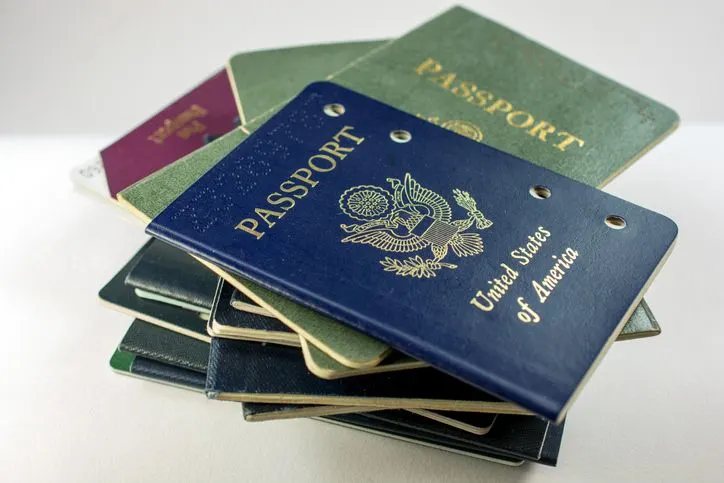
[415, 266]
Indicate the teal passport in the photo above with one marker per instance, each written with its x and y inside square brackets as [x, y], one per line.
[499, 272]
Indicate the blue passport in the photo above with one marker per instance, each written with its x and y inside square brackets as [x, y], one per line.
[504, 274]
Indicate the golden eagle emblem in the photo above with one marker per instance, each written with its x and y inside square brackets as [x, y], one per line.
[411, 218]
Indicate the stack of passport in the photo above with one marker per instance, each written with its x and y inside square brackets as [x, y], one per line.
[403, 237]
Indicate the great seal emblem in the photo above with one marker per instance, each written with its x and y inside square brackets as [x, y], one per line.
[408, 218]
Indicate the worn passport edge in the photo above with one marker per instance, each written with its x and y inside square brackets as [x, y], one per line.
[254, 309]
[323, 373]
[478, 430]
[512, 462]
[235, 90]
[292, 339]
[501, 407]
[148, 295]
[311, 411]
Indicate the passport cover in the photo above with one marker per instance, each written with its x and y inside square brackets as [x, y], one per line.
[475, 423]
[167, 274]
[163, 345]
[383, 215]
[252, 372]
[178, 129]
[121, 297]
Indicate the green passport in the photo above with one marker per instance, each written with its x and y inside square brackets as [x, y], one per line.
[481, 80]
[265, 78]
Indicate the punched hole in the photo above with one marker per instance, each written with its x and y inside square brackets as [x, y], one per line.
[400, 136]
[540, 192]
[616, 222]
[334, 110]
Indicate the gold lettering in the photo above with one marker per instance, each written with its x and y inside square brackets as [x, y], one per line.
[527, 314]
[324, 161]
[569, 139]
[265, 214]
[343, 132]
[527, 122]
[315, 167]
[289, 187]
[481, 98]
[306, 179]
[198, 111]
[250, 225]
[430, 65]
[278, 198]
[486, 305]
[541, 130]
[499, 105]
[335, 149]
[444, 80]
[465, 89]
[540, 291]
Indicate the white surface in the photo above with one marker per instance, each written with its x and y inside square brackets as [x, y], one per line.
[652, 412]
[76, 66]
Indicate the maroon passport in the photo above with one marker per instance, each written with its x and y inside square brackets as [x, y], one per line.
[207, 111]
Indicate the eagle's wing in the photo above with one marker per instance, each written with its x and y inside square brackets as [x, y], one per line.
[466, 244]
[385, 239]
[439, 208]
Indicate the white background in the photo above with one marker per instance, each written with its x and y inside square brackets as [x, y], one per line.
[76, 75]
